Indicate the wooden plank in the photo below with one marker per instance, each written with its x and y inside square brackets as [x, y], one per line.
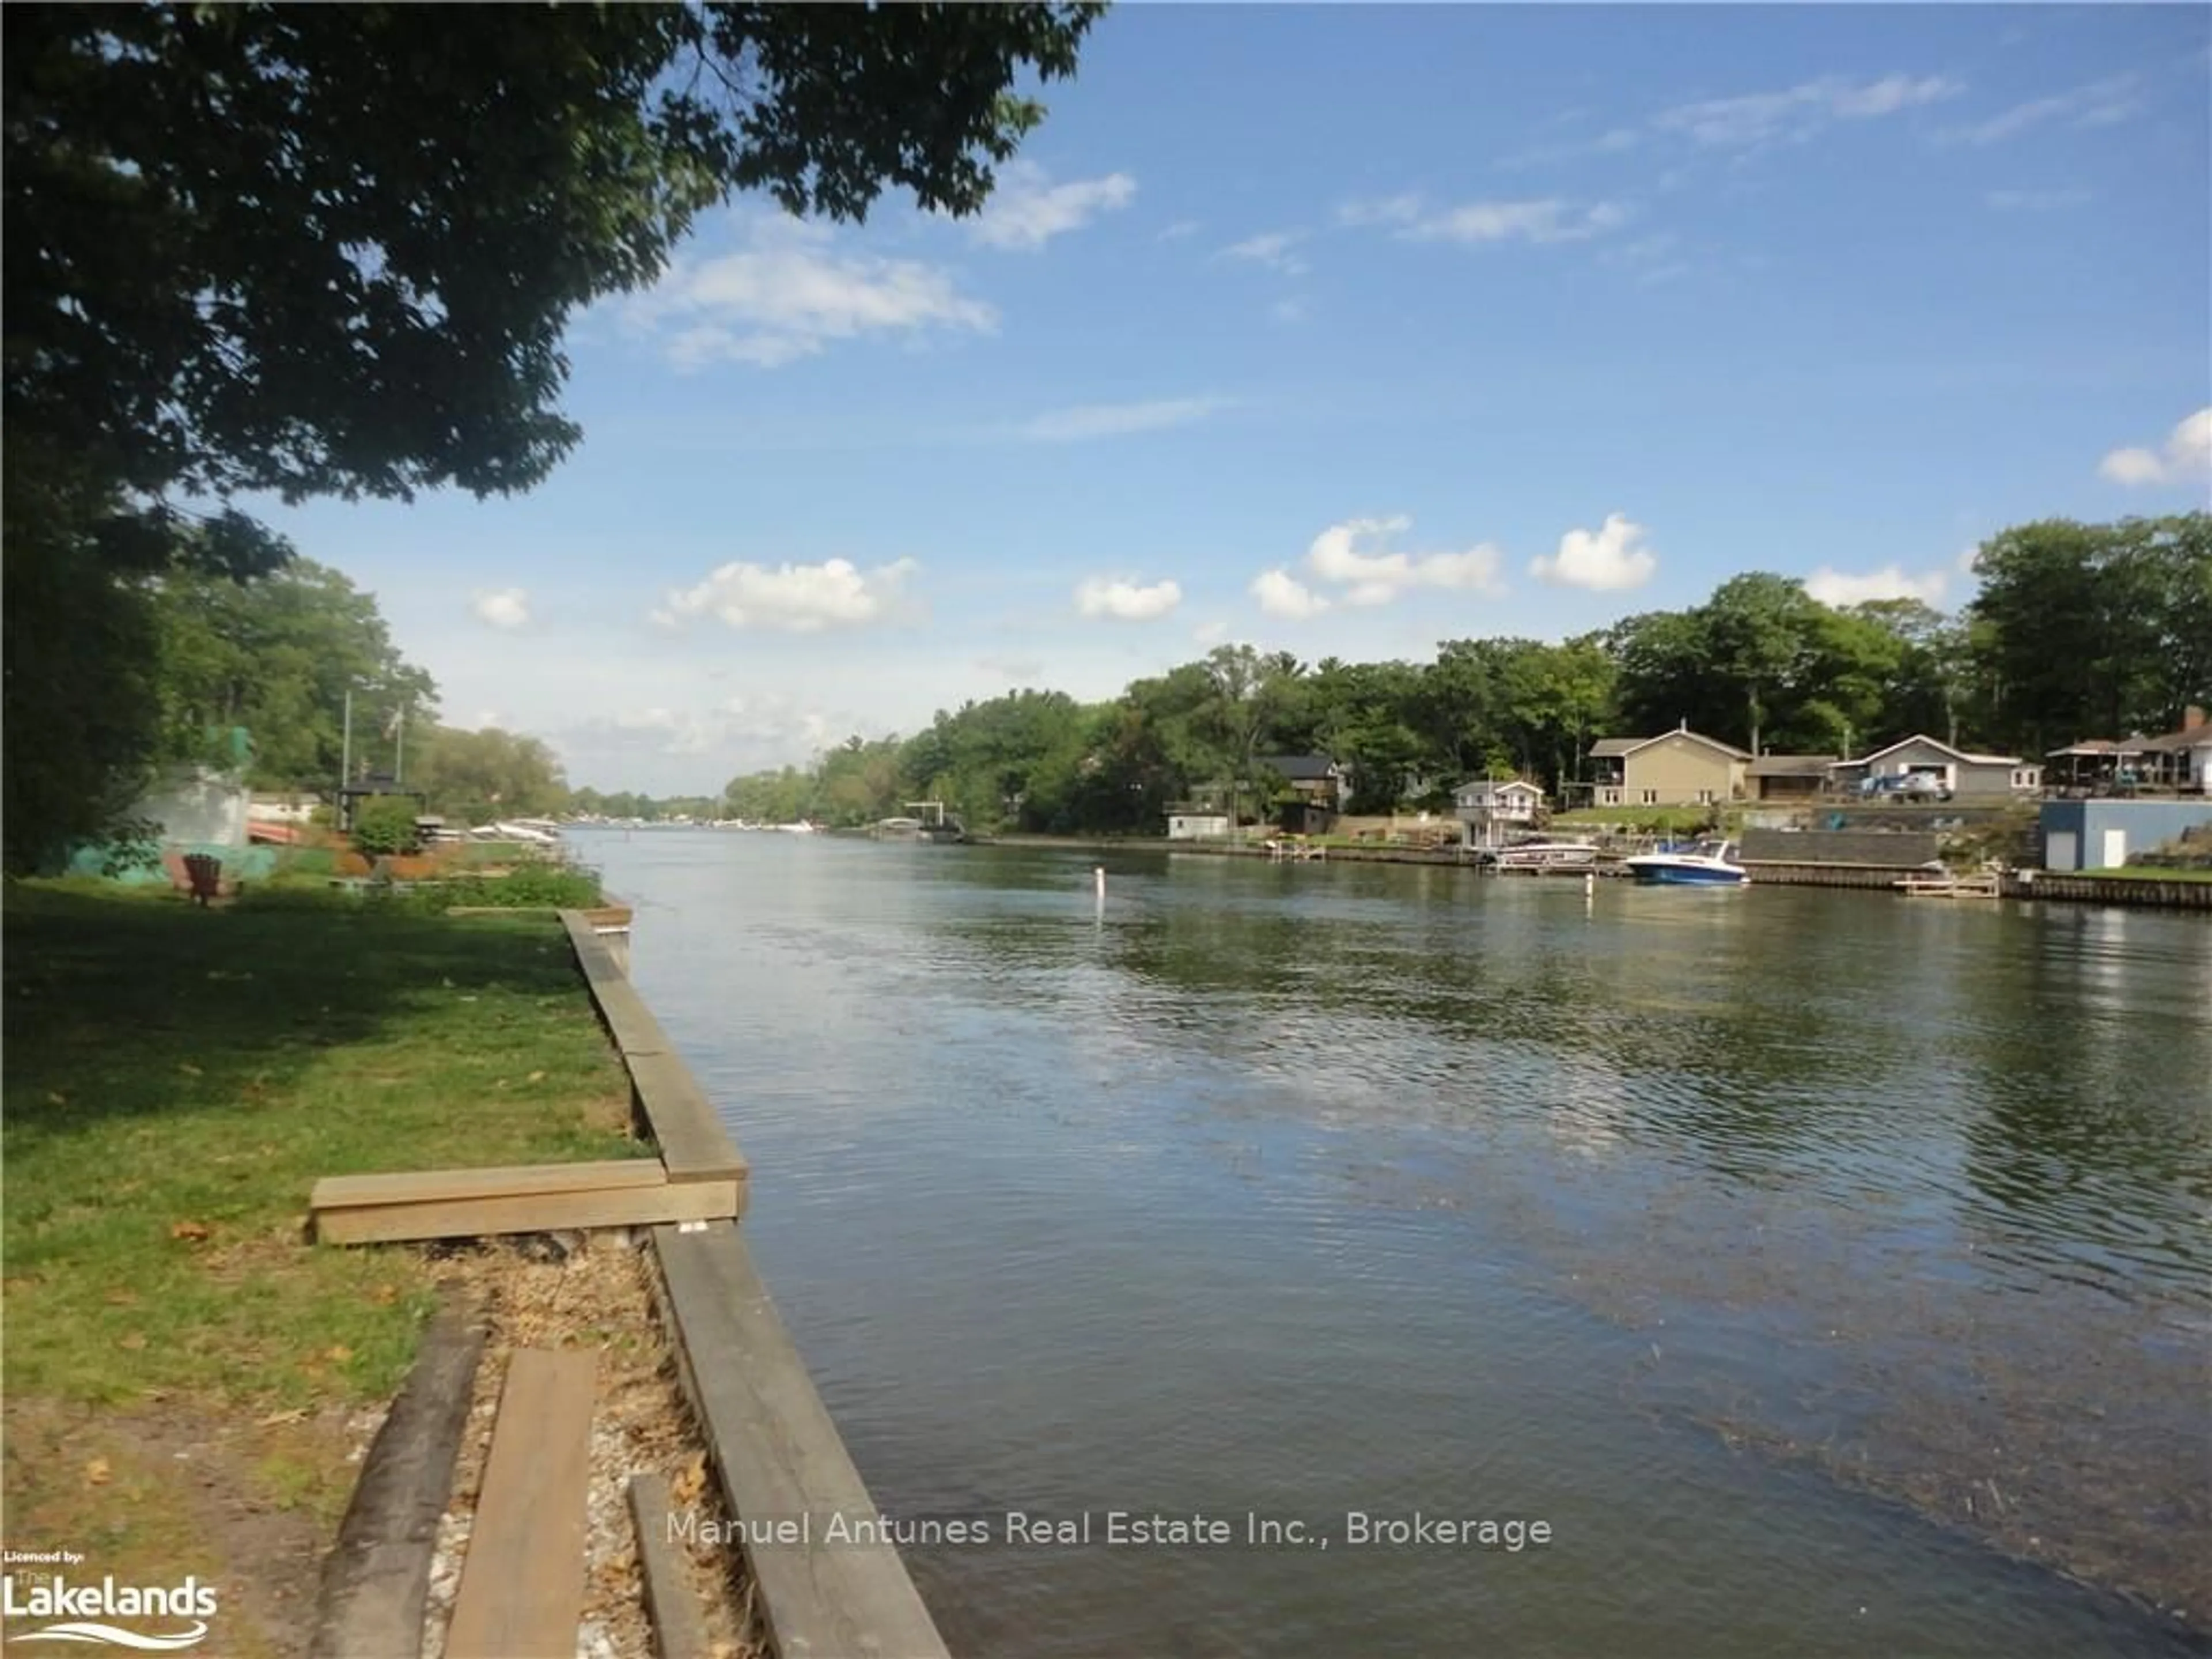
[431, 1186]
[635, 1031]
[633, 1027]
[694, 1146]
[777, 1454]
[675, 1112]
[679, 1632]
[522, 1583]
[532, 1212]
[376, 1581]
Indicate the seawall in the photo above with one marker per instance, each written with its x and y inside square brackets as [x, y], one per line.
[777, 1456]
[2128, 891]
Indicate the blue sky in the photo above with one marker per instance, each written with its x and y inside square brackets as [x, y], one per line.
[1345, 330]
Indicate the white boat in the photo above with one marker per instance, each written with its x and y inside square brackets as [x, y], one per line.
[1706, 864]
[1541, 855]
[800, 828]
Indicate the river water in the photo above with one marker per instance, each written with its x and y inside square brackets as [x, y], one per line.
[1827, 1272]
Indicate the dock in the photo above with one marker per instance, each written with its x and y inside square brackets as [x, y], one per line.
[1945, 885]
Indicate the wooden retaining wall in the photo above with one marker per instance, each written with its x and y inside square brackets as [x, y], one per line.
[780, 1464]
[2126, 890]
[1768, 873]
[2110, 889]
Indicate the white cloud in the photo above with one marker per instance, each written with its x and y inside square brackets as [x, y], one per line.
[2186, 457]
[1839, 589]
[736, 725]
[1384, 210]
[2035, 201]
[1178, 230]
[1651, 260]
[1026, 210]
[1282, 594]
[1115, 420]
[1127, 601]
[787, 295]
[504, 608]
[1213, 632]
[1271, 249]
[792, 598]
[1292, 310]
[1349, 558]
[1550, 220]
[2099, 104]
[1615, 141]
[1604, 561]
[1796, 114]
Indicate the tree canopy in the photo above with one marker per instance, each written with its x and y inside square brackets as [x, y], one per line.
[307, 251]
[2078, 630]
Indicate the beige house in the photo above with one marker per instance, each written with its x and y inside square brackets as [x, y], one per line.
[1680, 768]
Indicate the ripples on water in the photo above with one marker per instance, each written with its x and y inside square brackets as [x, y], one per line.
[1313, 1188]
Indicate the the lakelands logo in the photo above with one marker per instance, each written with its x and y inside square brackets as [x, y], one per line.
[82, 1611]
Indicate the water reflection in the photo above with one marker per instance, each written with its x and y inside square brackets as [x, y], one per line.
[1336, 1185]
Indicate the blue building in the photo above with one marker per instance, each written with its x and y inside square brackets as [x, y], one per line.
[2103, 835]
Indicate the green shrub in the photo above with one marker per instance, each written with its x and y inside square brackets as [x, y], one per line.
[385, 824]
[530, 886]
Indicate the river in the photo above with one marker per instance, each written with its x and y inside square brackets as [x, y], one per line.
[1827, 1272]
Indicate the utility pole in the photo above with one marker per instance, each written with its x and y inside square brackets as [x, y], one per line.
[399, 752]
[345, 764]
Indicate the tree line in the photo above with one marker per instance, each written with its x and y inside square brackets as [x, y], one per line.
[281, 656]
[2076, 630]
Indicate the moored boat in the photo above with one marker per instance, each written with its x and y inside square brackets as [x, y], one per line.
[1705, 864]
[1541, 855]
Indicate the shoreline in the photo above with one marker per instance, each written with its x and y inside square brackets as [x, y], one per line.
[2131, 892]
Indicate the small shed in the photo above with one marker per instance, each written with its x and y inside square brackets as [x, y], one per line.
[1788, 777]
[2103, 835]
[1197, 824]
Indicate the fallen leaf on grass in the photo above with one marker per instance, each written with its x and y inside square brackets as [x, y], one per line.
[384, 1295]
[338, 1354]
[134, 1342]
[55, 1097]
[121, 1299]
[97, 1474]
[195, 1230]
[277, 1419]
[535, 1077]
[188, 1069]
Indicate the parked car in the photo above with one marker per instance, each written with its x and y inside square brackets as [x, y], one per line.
[1905, 785]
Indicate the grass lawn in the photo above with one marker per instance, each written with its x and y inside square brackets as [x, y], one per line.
[176, 1081]
[2141, 872]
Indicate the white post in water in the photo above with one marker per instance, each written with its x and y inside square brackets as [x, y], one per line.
[1098, 878]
